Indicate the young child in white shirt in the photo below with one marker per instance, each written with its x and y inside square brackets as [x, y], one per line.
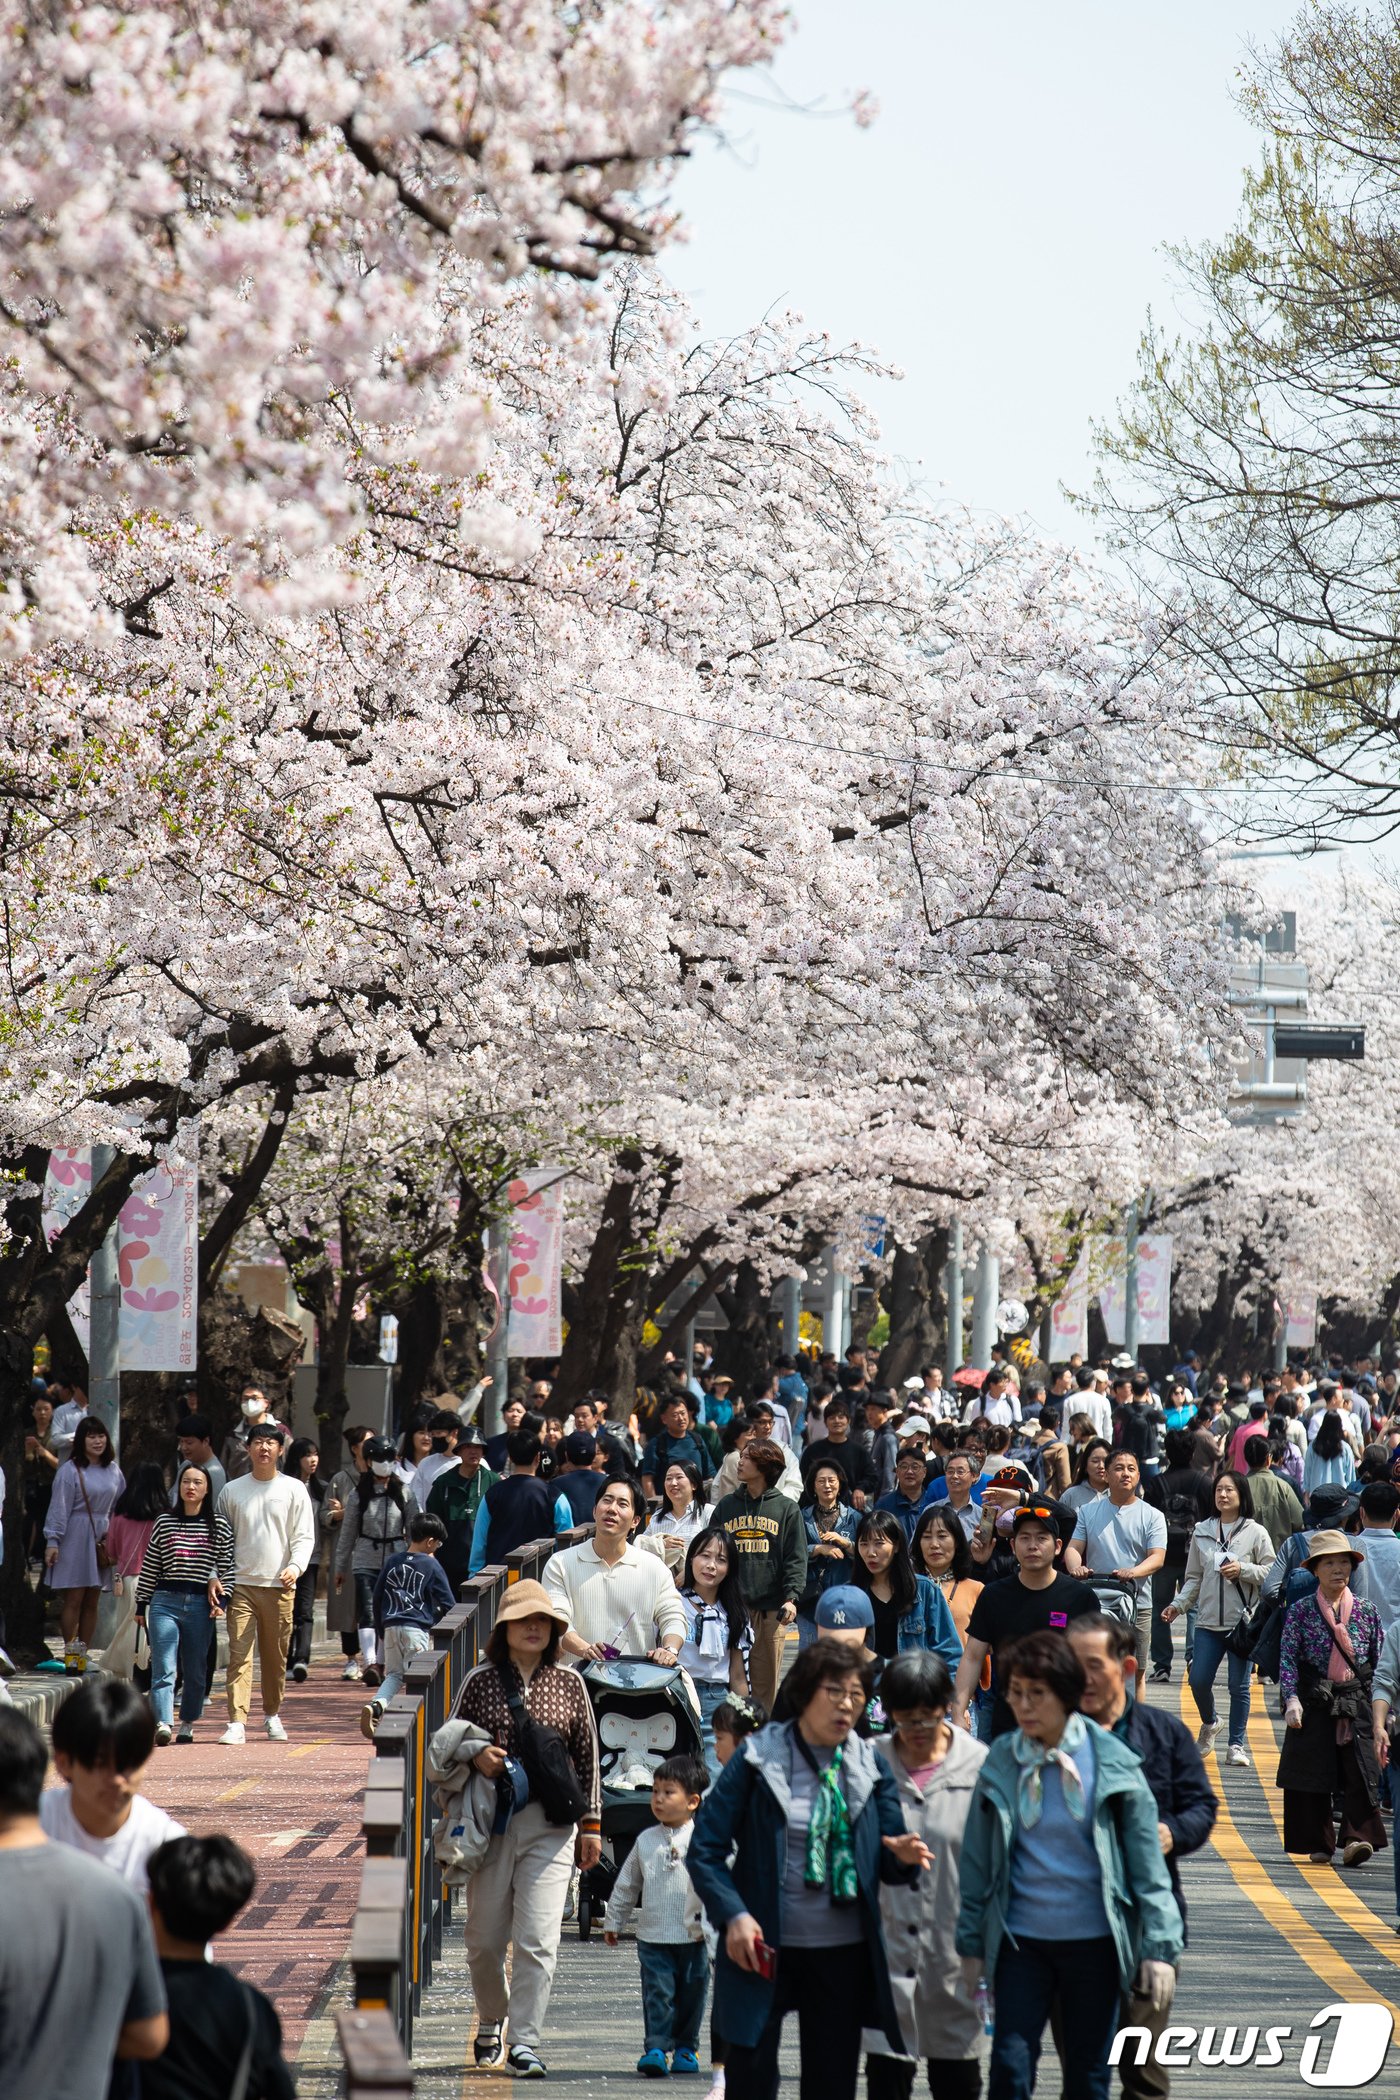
[655, 1883]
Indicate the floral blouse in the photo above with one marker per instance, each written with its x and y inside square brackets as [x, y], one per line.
[1306, 1639]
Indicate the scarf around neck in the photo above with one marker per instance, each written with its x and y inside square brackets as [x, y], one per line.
[1032, 1758]
[830, 1861]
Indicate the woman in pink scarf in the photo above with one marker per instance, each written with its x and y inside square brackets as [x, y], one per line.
[1331, 1645]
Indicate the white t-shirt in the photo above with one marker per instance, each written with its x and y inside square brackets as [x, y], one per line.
[145, 1829]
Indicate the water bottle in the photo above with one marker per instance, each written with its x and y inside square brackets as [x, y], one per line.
[986, 2009]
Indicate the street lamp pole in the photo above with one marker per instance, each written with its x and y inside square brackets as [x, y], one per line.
[953, 1291]
[104, 1329]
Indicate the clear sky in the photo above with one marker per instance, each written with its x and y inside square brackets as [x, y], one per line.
[998, 232]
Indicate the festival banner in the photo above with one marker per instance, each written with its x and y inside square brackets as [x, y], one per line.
[1154, 1291]
[1069, 1316]
[157, 1258]
[536, 1258]
[1300, 1314]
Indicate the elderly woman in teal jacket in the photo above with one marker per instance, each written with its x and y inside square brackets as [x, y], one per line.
[1065, 1894]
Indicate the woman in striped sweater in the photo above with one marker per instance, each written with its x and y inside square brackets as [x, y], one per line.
[188, 1548]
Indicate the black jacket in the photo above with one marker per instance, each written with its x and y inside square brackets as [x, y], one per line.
[1173, 1768]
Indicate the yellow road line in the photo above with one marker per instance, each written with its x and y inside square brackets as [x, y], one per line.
[1279, 1911]
[310, 1749]
[1348, 1906]
[244, 1786]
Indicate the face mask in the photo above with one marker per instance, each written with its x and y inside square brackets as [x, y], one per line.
[254, 1407]
[382, 1468]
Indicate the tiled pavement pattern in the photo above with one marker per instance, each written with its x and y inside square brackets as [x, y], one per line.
[1273, 1941]
[296, 1808]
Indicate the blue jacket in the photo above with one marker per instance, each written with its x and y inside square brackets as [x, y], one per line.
[744, 1817]
[1172, 1767]
[909, 1512]
[1137, 1892]
[928, 1623]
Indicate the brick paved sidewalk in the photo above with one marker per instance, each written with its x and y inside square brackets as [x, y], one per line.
[295, 1807]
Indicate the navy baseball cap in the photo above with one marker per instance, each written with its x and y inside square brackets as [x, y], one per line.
[844, 1605]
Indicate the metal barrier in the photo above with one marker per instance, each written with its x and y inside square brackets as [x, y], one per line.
[396, 1935]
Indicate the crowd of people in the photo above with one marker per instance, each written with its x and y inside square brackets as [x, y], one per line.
[973, 1586]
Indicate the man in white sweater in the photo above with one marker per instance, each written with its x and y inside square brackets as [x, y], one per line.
[274, 1534]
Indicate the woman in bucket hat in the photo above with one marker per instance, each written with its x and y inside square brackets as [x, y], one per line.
[1331, 1645]
[516, 1898]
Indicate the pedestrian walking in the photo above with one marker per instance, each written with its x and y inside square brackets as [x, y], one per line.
[190, 1549]
[373, 1528]
[225, 2036]
[1090, 1473]
[103, 1737]
[79, 1982]
[515, 1900]
[788, 1854]
[718, 1636]
[411, 1594]
[1040, 1596]
[304, 1464]
[85, 1491]
[274, 1528]
[1122, 1538]
[683, 1514]
[134, 1515]
[615, 1599]
[1182, 1491]
[1229, 1557]
[1331, 1646]
[1065, 1896]
[831, 1523]
[1186, 1810]
[654, 1886]
[910, 1610]
[340, 1604]
[41, 1461]
[1330, 1461]
[770, 1539]
[935, 1768]
[236, 1456]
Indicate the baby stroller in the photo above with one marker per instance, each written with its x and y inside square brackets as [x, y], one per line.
[646, 1712]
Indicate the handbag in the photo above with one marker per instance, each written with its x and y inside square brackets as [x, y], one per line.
[545, 1755]
[99, 1546]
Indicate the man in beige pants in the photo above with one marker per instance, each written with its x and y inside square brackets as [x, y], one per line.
[274, 1534]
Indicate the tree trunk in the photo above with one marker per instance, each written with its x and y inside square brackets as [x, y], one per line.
[744, 1351]
[580, 1365]
[23, 1607]
[421, 1310]
[917, 1308]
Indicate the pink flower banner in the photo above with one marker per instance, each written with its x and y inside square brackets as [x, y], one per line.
[157, 1258]
[536, 1253]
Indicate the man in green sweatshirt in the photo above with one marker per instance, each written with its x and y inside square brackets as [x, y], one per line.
[769, 1540]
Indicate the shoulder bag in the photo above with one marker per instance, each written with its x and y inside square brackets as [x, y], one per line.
[545, 1755]
[99, 1546]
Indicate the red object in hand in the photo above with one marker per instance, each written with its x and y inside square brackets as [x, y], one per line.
[765, 1960]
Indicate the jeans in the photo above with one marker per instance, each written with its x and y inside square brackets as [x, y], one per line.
[1205, 1668]
[1165, 1584]
[674, 1982]
[710, 1697]
[177, 1624]
[828, 1988]
[399, 1643]
[1030, 1977]
[303, 1615]
[806, 1631]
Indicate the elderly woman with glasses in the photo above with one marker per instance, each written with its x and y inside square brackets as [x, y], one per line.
[788, 1854]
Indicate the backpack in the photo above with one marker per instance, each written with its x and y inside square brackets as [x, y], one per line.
[545, 1755]
[1182, 1512]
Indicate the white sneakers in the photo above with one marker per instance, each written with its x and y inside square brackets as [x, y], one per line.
[236, 1733]
[1237, 1755]
[164, 1731]
[1205, 1737]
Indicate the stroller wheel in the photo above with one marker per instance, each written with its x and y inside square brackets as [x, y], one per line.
[585, 1910]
